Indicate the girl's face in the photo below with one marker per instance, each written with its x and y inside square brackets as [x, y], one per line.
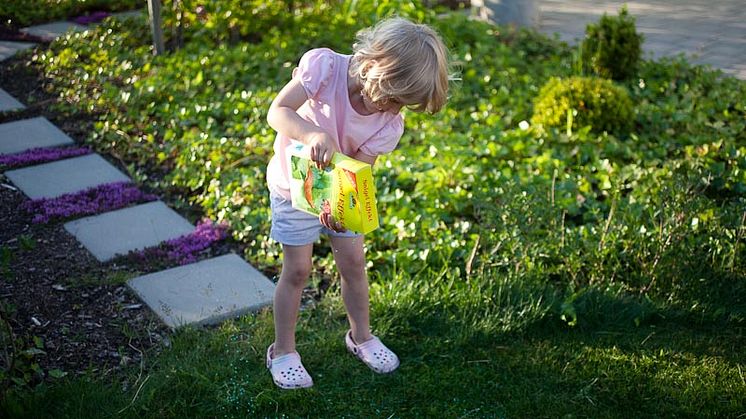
[386, 105]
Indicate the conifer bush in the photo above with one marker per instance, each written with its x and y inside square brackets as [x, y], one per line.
[612, 47]
[584, 101]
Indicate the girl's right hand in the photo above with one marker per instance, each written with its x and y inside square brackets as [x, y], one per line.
[322, 147]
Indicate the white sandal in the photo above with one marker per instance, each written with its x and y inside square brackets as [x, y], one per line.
[287, 370]
[373, 353]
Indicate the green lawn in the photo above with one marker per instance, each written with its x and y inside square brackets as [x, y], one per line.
[665, 369]
[520, 271]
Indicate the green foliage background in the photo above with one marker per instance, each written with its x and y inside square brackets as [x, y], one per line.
[582, 210]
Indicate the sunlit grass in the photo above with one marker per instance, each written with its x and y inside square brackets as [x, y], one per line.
[547, 369]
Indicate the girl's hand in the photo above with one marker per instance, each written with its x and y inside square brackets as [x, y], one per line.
[328, 221]
[323, 147]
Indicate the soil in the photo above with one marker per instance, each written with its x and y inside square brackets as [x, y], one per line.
[13, 34]
[59, 295]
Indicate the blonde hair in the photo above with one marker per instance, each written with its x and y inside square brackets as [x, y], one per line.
[402, 61]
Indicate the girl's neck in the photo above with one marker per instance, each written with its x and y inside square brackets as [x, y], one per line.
[354, 92]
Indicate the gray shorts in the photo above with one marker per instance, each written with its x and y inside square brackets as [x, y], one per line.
[294, 227]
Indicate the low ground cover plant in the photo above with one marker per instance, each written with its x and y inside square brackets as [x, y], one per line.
[93, 200]
[40, 155]
[567, 251]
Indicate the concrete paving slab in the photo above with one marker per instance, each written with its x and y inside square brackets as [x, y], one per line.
[18, 136]
[53, 179]
[205, 292]
[8, 102]
[53, 30]
[9, 48]
[118, 232]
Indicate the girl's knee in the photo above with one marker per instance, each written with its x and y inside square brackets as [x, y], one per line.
[352, 269]
[296, 275]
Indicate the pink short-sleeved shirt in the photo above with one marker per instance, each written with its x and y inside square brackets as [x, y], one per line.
[323, 74]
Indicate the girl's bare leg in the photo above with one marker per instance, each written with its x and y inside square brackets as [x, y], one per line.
[296, 267]
[349, 255]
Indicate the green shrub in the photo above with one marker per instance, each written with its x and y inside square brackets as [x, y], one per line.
[584, 101]
[612, 47]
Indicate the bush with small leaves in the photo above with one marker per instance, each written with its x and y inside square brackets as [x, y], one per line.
[584, 101]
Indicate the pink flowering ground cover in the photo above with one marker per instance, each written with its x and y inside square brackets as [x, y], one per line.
[102, 198]
[40, 155]
[185, 249]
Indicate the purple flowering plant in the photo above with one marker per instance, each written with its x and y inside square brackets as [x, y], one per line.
[40, 155]
[91, 18]
[185, 249]
[102, 198]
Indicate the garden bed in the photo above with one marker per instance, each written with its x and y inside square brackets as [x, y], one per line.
[76, 310]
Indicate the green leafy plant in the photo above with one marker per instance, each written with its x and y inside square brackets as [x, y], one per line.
[612, 47]
[577, 102]
[18, 358]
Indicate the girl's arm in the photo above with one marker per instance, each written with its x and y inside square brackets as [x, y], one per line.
[283, 118]
[371, 160]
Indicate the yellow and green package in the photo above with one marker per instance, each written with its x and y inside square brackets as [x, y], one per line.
[345, 188]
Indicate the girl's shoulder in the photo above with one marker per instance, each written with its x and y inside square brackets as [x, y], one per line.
[318, 55]
[316, 69]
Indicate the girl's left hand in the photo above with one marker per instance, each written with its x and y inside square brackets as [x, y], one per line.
[328, 221]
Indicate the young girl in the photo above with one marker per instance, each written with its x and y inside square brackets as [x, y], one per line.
[348, 104]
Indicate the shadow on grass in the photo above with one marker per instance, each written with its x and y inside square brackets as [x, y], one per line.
[454, 364]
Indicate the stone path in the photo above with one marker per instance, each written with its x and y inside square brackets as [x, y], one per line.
[117, 232]
[9, 48]
[9, 103]
[53, 30]
[205, 292]
[217, 291]
[50, 180]
[710, 32]
[24, 134]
